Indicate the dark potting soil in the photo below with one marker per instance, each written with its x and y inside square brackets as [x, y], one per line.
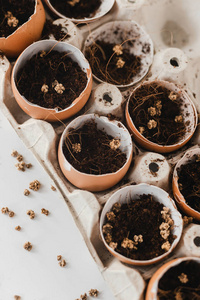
[89, 151]
[189, 182]
[56, 30]
[13, 13]
[168, 129]
[105, 63]
[47, 69]
[141, 216]
[180, 282]
[76, 9]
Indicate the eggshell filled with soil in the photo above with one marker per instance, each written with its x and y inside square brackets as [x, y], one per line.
[95, 180]
[114, 206]
[25, 34]
[39, 111]
[159, 128]
[84, 15]
[189, 157]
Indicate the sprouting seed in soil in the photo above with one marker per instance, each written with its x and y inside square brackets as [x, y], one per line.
[76, 147]
[120, 63]
[115, 144]
[172, 96]
[152, 124]
[166, 246]
[183, 278]
[73, 2]
[152, 111]
[141, 129]
[178, 119]
[118, 49]
[58, 87]
[45, 88]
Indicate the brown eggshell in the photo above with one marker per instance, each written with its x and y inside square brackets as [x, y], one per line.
[161, 196]
[97, 182]
[152, 288]
[177, 194]
[26, 34]
[36, 111]
[192, 117]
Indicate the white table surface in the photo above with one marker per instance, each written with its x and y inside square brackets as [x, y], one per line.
[36, 275]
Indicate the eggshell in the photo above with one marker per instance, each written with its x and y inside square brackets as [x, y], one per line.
[36, 111]
[97, 182]
[26, 34]
[161, 196]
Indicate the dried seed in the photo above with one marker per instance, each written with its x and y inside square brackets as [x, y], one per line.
[4, 210]
[53, 188]
[34, 185]
[20, 166]
[11, 214]
[178, 119]
[18, 228]
[94, 293]
[29, 165]
[110, 216]
[76, 147]
[62, 263]
[14, 153]
[31, 213]
[59, 257]
[12, 22]
[141, 130]
[26, 192]
[19, 157]
[28, 246]
[45, 211]
[172, 96]
[83, 297]
[152, 111]
[113, 245]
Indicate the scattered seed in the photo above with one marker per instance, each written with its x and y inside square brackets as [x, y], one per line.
[34, 185]
[16, 297]
[14, 153]
[19, 157]
[45, 211]
[11, 214]
[53, 188]
[62, 263]
[4, 210]
[94, 293]
[29, 165]
[26, 192]
[20, 166]
[83, 297]
[59, 257]
[18, 228]
[31, 213]
[28, 246]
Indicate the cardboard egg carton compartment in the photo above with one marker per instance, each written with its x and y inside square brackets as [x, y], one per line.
[173, 26]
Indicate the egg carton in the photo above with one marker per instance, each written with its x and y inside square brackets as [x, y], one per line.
[173, 26]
